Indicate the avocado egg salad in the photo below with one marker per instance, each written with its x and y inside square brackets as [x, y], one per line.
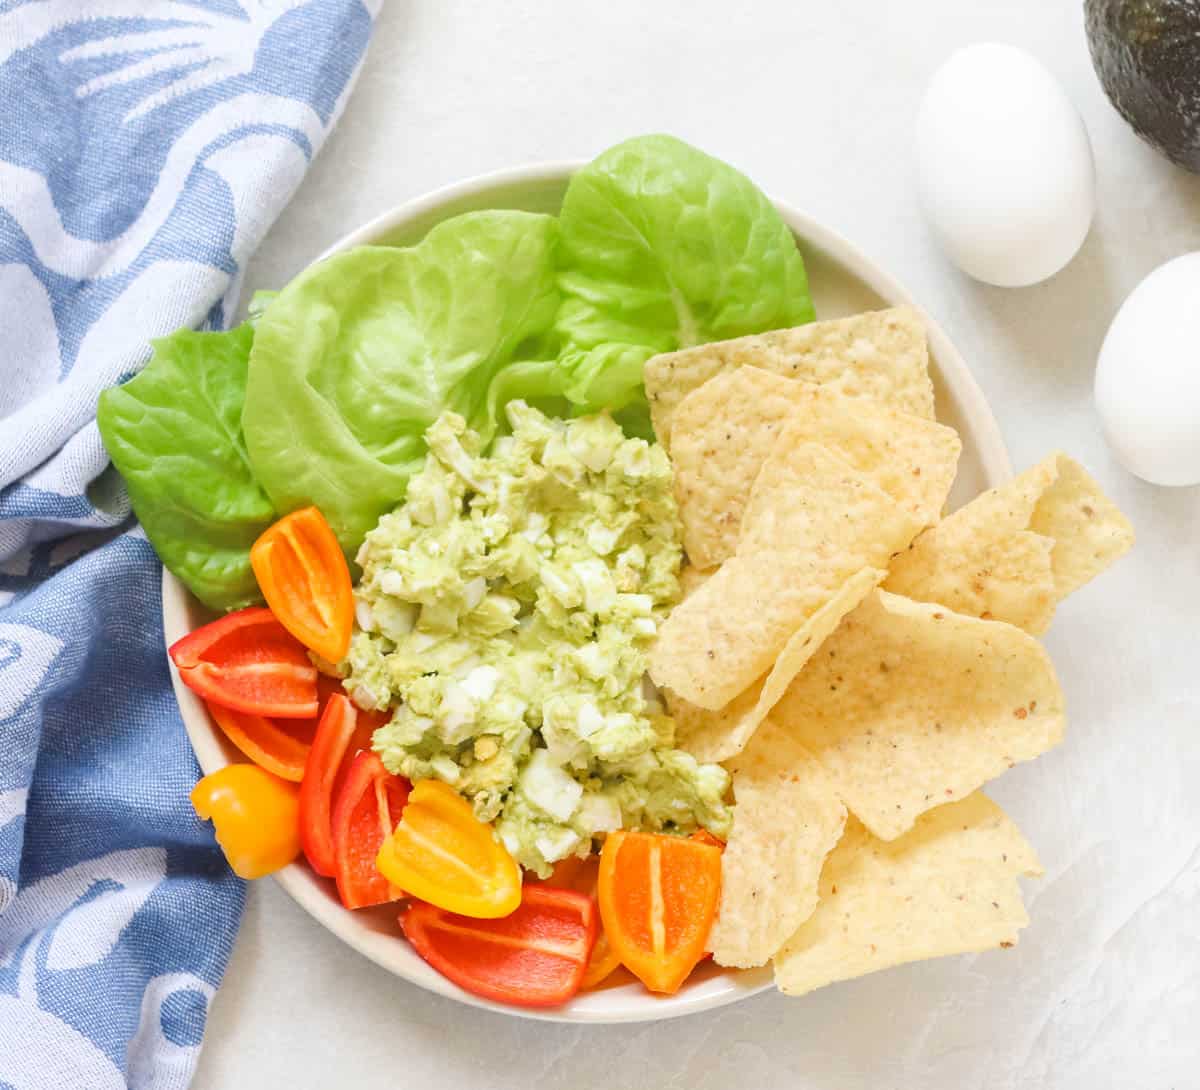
[579, 595]
[506, 610]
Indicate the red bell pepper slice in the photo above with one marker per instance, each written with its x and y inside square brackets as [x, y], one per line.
[330, 745]
[341, 733]
[534, 957]
[368, 806]
[249, 662]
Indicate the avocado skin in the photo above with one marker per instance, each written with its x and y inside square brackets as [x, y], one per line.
[1147, 55]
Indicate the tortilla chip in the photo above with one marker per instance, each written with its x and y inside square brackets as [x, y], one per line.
[724, 431]
[785, 822]
[716, 736]
[947, 887]
[810, 499]
[809, 540]
[908, 706]
[1087, 528]
[880, 354]
[729, 632]
[1013, 553]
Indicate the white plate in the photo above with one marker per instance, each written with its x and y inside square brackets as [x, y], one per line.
[842, 281]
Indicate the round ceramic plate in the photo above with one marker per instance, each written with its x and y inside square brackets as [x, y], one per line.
[842, 281]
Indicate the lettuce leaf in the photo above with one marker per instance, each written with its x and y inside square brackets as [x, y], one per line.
[664, 247]
[174, 433]
[354, 359]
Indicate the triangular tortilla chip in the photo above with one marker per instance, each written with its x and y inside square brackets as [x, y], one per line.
[1016, 551]
[724, 431]
[813, 522]
[786, 821]
[908, 706]
[716, 736]
[881, 354]
[948, 886]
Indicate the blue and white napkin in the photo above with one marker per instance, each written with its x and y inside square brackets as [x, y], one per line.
[145, 147]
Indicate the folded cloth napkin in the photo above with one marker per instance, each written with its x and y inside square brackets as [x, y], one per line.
[145, 147]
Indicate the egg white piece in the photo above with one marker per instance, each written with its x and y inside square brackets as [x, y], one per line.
[1148, 376]
[1005, 173]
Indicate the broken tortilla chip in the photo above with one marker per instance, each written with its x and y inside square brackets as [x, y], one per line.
[1014, 552]
[713, 736]
[724, 431]
[948, 886]
[786, 821]
[881, 354]
[908, 706]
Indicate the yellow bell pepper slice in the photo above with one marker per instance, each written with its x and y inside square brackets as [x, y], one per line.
[440, 852]
[256, 816]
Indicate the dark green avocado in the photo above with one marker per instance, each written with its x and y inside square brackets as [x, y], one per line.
[1147, 55]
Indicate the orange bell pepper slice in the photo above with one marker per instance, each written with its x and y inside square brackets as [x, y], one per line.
[264, 741]
[440, 852]
[256, 817]
[658, 898]
[303, 575]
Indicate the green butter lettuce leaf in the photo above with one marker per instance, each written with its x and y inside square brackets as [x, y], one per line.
[174, 433]
[664, 247]
[355, 358]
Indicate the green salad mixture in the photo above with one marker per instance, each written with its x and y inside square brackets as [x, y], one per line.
[469, 416]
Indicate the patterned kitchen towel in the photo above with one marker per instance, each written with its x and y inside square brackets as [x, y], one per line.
[145, 147]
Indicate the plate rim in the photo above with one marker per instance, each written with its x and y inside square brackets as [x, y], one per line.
[309, 891]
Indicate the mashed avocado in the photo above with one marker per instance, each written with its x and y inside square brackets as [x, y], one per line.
[505, 611]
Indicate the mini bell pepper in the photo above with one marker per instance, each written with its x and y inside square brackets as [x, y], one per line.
[658, 898]
[536, 956]
[331, 745]
[249, 662]
[369, 804]
[303, 575]
[255, 815]
[442, 853]
[266, 743]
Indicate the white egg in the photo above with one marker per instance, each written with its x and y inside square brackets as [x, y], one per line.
[1148, 376]
[1004, 166]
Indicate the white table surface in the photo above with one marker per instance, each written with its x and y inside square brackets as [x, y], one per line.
[815, 101]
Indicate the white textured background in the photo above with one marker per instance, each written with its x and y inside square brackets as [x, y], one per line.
[815, 101]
